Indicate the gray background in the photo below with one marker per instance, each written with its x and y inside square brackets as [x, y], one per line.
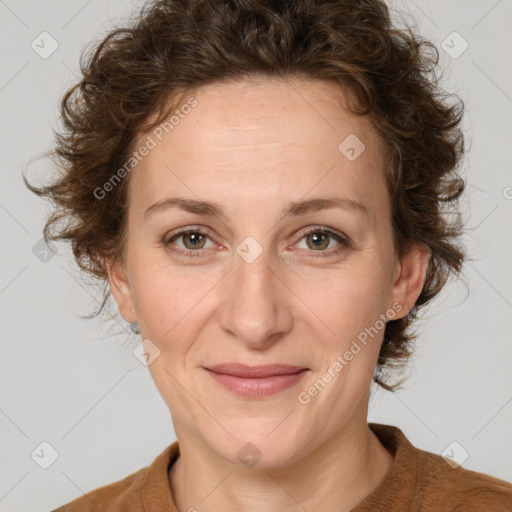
[67, 382]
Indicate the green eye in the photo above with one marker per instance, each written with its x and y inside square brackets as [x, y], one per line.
[318, 240]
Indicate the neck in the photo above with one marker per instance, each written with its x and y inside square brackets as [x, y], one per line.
[336, 475]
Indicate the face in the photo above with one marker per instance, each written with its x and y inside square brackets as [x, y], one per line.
[290, 262]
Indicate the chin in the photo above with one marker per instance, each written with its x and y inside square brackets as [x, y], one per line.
[259, 446]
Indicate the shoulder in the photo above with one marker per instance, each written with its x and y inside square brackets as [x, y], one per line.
[459, 489]
[423, 481]
[147, 488]
[120, 495]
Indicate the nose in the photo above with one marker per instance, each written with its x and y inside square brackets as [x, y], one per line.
[257, 308]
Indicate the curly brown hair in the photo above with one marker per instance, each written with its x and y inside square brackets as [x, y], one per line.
[131, 79]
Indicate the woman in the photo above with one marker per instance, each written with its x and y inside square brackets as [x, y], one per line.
[264, 187]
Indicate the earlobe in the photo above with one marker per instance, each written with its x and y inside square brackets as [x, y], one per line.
[411, 277]
[121, 290]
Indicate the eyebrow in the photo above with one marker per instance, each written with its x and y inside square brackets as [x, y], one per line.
[293, 208]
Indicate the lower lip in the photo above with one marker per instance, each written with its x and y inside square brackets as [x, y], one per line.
[260, 387]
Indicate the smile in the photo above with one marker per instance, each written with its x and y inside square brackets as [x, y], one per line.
[257, 387]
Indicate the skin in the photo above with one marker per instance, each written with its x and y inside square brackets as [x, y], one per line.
[252, 147]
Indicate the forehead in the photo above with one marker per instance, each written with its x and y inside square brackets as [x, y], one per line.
[259, 142]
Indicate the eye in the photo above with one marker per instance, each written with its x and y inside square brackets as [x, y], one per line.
[318, 239]
[193, 240]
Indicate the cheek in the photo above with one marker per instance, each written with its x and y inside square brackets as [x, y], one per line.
[157, 303]
[351, 308]
[345, 300]
[169, 303]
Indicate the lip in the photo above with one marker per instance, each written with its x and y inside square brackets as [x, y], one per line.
[256, 381]
[242, 370]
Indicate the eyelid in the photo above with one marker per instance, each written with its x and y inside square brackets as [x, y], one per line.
[318, 228]
[187, 229]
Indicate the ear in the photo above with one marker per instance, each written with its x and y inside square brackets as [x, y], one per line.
[121, 290]
[409, 277]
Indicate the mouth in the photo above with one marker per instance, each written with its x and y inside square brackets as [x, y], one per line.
[256, 381]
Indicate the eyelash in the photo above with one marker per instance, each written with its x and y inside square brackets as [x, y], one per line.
[344, 242]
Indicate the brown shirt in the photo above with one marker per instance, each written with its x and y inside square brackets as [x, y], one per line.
[417, 481]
